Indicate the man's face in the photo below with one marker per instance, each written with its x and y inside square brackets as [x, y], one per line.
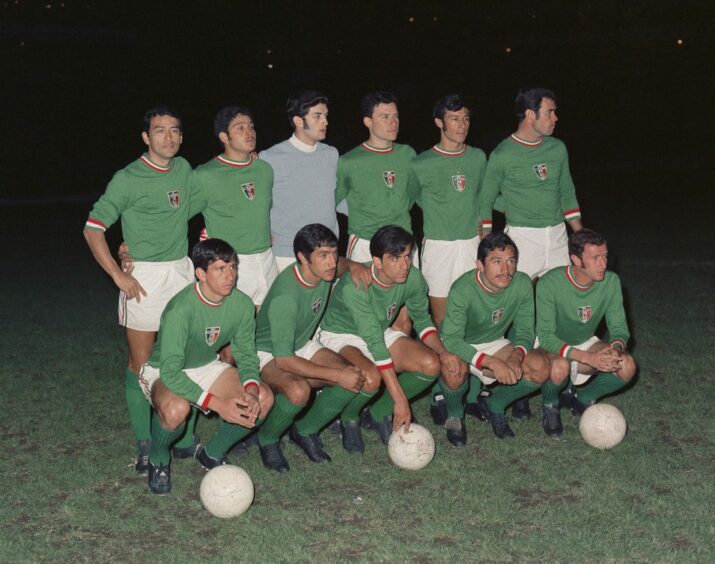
[323, 263]
[163, 139]
[219, 280]
[454, 127]
[498, 268]
[394, 269]
[314, 126]
[240, 135]
[593, 263]
[384, 125]
[546, 119]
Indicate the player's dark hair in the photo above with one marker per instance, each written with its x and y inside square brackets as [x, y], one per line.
[159, 111]
[371, 100]
[226, 115]
[209, 251]
[311, 237]
[498, 240]
[579, 239]
[449, 103]
[391, 240]
[299, 104]
[530, 99]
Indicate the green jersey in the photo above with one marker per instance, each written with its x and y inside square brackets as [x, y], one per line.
[193, 329]
[153, 203]
[235, 200]
[534, 179]
[290, 313]
[445, 185]
[478, 315]
[374, 182]
[368, 314]
[569, 314]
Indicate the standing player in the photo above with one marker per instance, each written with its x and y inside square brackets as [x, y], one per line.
[357, 325]
[571, 302]
[184, 368]
[233, 191]
[293, 363]
[482, 305]
[304, 174]
[151, 196]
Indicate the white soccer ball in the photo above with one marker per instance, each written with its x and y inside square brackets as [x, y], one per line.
[602, 426]
[226, 491]
[412, 450]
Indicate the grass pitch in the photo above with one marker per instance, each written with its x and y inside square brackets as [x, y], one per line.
[70, 493]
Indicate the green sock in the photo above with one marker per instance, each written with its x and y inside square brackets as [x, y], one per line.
[437, 388]
[161, 441]
[475, 386]
[455, 399]
[551, 391]
[412, 384]
[228, 435]
[352, 410]
[504, 394]
[139, 407]
[187, 439]
[601, 384]
[278, 420]
[329, 402]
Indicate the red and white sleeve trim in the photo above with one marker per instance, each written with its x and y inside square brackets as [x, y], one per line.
[478, 360]
[385, 364]
[203, 236]
[487, 224]
[252, 383]
[95, 224]
[619, 342]
[427, 332]
[204, 399]
[522, 350]
[565, 350]
[572, 214]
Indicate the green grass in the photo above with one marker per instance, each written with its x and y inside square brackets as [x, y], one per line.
[70, 494]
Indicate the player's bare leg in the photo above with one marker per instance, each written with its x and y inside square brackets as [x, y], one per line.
[403, 322]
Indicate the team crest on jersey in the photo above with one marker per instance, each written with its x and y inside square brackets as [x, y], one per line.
[173, 198]
[459, 181]
[389, 177]
[390, 311]
[249, 190]
[497, 315]
[316, 305]
[541, 171]
[584, 313]
[212, 334]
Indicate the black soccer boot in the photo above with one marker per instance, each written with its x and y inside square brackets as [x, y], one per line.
[159, 479]
[187, 452]
[273, 458]
[382, 428]
[311, 445]
[352, 436]
[520, 409]
[500, 426]
[456, 431]
[208, 461]
[552, 421]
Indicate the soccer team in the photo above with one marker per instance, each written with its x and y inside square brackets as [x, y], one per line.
[268, 327]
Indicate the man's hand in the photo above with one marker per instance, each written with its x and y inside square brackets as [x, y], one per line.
[351, 378]
[452, 364]
[239, 410]
[125, 258]
[360, 274]
[502, 371]
[608, 359]
[401, 415]
[129, 285]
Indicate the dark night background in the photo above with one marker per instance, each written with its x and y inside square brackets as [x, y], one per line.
[634, 79]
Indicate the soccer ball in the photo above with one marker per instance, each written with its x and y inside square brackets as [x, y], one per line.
[412, 450]
[226, 491]
[602, 426]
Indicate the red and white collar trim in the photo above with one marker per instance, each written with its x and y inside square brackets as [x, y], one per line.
[299, 277]
[235, 164]
[376, 150]
[525, 142]
[573, 280]
[203, 298]
[446, 153]
[483, 285]
[154, 166]
[377, 281]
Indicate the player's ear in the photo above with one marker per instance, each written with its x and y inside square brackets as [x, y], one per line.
[297, 122]
[302, 259]
[200, 274]
[576, 261]
[367, 122]
[377, 261]
[530, 115]
[439, 123]
[223, 137]
[145, 137]
[480, 266]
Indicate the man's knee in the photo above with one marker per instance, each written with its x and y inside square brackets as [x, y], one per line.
[430, 364]
[560, 370]
[297, 390]
[628, 368]
[373, 379]
[265, 399]
[536, 367]
[173, 412]
[453, 381]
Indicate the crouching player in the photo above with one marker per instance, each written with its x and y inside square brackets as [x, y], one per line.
[357, 325]
[293, 363]
[571, 302]
[481, 307]
[184, 368]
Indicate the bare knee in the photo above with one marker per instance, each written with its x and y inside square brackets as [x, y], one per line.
[296, 390]
[265, 399]
[373, 379]
[628, 369]
[430, 364]
[560, 370]
[453, 381]
[173, 413]
[536, 367]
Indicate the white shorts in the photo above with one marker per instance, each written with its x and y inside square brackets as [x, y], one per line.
[307, 352]
[284, 262]
[359, 251]
[490, 349]
[445, 261]
[204, 375]
[540, 248]
[577, 377]
[256, 273]
[338, 341]
[161, 281]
